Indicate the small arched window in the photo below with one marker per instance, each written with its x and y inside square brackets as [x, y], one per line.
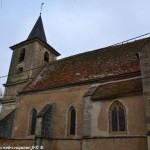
[33, 116]
[22, 55]
[72, 121]
[117, 117]
[46, 57]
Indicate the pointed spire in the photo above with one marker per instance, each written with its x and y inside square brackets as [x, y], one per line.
[38, 31]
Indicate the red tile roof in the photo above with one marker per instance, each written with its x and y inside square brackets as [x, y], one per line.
[106, 62]
[118, 88]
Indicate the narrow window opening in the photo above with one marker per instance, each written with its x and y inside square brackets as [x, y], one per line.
[46, 57]
[22, 55]
[33, 121]
[137, 55]
[72, 121]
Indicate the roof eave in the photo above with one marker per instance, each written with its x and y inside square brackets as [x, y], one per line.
[117, 95]
[38, 39]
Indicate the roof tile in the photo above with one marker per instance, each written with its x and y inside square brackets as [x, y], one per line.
[118, 88]
[106, 62]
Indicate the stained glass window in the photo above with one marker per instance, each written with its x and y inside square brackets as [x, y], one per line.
[121, 119]
[114, 120]
[117, 117]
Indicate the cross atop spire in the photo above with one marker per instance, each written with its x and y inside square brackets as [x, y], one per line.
[41, 8]
[38, 31]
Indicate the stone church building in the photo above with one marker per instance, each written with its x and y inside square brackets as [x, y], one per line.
[97, 100]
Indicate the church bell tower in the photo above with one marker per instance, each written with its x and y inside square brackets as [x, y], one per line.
[28, 58]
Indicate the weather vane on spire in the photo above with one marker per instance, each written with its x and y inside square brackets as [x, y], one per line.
[41, 8]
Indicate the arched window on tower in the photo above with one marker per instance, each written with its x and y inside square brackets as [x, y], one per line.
[72, 121]
[46, 57]
[32, 123]
[117, 117]
[22, 55]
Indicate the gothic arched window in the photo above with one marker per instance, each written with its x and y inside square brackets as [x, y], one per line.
[46, 57]
[117, 117]
[22, 55]
[72, 121]
[33, 116]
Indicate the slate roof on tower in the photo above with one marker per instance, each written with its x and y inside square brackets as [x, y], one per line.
[38, 34]
[38, 31]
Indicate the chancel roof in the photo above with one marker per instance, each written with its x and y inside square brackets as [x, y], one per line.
[90, 66]
[117, 88]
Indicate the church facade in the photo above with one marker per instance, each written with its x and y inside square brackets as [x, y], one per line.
[94, 100]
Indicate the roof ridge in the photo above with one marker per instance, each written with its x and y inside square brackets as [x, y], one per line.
[95, 50]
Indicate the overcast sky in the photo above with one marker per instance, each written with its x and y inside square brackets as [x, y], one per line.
[71, 26]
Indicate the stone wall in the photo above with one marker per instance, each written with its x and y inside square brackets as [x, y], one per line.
[113, 143]
[16, 142]
[64, 98]
[6, 125]
[144, 56]
[96, 116]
